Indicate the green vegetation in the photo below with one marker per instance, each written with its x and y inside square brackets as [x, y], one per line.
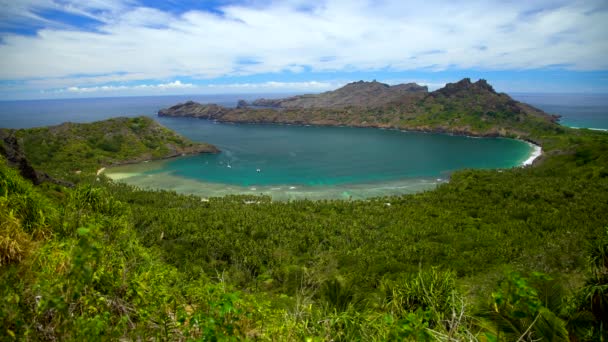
[461, 108]
[494, 255]
[64, 149]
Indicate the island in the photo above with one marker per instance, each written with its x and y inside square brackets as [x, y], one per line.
[464, 107]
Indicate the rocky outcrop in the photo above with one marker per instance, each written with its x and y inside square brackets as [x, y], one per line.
[194, 109]
[242, 104]
[463, 107]
[12, 151]
[464, 86]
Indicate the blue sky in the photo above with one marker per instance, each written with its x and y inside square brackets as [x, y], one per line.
[73, 48]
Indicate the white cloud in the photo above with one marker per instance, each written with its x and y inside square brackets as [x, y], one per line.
[171, 85]
[341, 35]
[273, 85]
[262, 86]
[111, 88]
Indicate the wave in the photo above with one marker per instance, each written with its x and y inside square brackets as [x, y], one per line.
[536, 152]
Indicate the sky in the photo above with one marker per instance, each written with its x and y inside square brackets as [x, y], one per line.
[74, 48]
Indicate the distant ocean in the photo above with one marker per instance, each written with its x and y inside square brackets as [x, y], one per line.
[35, 113]
[577, 110]
[291, 162]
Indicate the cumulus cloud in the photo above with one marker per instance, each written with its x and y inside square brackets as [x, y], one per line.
[109, 88]
[293, 36]
[311, 85]
[222, 87]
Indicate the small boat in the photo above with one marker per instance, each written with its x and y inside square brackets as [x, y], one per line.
[229, 166]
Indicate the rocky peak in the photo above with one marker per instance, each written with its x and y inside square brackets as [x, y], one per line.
[364, 85]
[411, 87]
[375, 86]
[242, 104]
[355, 94]
[465, 86]
[483, 84]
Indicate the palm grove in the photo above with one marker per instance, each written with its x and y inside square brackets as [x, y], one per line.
[493, 255]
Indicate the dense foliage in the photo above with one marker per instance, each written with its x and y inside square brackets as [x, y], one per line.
[492, 255]
[70, 147]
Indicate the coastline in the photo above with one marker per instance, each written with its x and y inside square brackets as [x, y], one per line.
[592, 129]
[536, 153]
[139, 177]
[420, 129]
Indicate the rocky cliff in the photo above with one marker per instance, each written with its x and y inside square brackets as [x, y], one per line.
[463, 107]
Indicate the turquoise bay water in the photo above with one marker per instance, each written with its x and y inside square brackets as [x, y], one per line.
[302, 162]
[317, 162]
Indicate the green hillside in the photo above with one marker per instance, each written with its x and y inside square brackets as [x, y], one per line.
[493, 255]
[71, 148]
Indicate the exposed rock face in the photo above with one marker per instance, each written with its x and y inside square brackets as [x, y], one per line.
[357, 94]
[12, 151]
[463, 107]
[464, 86]
[194, 109]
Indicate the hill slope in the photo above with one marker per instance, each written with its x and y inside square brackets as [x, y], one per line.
[69, 147]
[105, 259]
[462, 108]
[357, 94]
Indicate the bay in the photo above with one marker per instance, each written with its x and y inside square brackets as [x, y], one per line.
[291, 162]
[302, 162]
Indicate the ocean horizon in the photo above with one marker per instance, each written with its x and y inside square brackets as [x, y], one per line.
[298, 161]
[577, 110]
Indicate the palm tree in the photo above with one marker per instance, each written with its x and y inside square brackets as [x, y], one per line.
[594, 295]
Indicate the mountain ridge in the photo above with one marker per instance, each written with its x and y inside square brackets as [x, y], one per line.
[357, 94]
[463, 107]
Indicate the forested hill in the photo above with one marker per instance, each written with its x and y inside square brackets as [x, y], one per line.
[85, 147]
[464, 107]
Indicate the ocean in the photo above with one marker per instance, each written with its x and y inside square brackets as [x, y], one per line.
[294, 162]
[577, 110]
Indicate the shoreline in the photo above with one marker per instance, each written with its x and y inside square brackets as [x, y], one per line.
[277, 192]
[291, 192]
[591, 129]
[537, 152]
[440, 130]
